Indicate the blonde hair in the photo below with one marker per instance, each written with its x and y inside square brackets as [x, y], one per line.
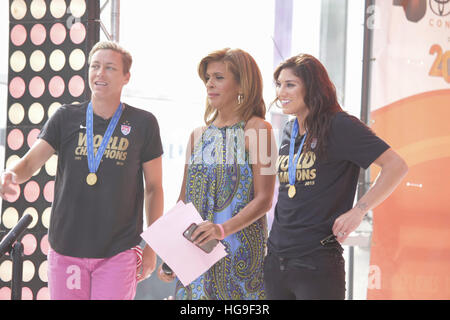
[127, 60]
[247, 75]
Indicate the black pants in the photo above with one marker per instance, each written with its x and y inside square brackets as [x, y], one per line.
[317, 276]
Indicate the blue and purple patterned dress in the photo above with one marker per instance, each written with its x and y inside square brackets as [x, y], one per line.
[220, 184]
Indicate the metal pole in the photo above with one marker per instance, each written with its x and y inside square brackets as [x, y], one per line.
[17, 271]
[364, 175]
[282, 38]
[351, 261]
[115, 20]
[367, 52]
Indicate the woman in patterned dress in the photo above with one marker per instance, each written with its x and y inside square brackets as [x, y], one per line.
[229, 177]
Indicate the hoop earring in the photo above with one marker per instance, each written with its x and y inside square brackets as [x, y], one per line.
[240, 98]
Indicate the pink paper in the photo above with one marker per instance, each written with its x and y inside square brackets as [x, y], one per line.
[165, 237]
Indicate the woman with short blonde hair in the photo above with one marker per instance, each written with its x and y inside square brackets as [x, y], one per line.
[127, 60]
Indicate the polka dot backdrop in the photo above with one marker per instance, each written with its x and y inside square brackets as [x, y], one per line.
[49, 43]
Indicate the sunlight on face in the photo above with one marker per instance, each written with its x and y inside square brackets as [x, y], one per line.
[291, 92]
[221, 86]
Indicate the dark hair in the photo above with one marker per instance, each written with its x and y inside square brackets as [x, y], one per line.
[320, 97]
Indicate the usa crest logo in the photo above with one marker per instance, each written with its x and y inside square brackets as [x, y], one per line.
[126, 129]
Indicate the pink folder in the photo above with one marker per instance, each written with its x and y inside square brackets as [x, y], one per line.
[165, 237]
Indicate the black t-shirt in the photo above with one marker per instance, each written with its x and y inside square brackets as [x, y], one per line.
[325, 187]
[102, 220]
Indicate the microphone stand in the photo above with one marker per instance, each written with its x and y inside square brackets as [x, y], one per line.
[17, 271]
[15, 249]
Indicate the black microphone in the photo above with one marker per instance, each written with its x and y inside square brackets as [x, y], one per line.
[14, 234]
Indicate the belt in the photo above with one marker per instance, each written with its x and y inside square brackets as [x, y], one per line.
[330, 239]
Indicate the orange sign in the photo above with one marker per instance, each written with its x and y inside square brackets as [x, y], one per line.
[410, 102]
[411, 230]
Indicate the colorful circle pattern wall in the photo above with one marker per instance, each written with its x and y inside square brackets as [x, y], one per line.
[49, 45]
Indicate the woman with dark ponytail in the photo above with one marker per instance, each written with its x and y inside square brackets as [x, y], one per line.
[320, 156]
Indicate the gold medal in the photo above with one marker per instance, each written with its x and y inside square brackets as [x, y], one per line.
[291, 191]
[91, 179]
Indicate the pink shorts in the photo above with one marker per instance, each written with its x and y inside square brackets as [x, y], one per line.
[71, 278]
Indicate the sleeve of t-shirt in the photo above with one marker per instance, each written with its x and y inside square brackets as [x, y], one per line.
[153, 146]
[355, 141]
[51, 132]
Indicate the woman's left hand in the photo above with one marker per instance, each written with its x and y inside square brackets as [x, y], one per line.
[347, 223]
[206, 231]
[148, 264]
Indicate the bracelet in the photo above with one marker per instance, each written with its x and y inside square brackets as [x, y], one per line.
[222, 236]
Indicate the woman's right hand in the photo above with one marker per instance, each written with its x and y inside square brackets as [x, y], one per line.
[7, 183]
[165, 277]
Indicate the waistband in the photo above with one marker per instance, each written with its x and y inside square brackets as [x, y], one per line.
[327, 244]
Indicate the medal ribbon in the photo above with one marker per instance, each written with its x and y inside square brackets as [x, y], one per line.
[94, 161]
[292, 166]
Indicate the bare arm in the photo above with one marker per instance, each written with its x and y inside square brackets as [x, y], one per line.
[154, 196]
[154, 206]
[393, 170]
[193, 139]
[23, 170]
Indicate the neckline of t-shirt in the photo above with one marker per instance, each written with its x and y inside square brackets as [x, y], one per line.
[299, 137]
[124, 109]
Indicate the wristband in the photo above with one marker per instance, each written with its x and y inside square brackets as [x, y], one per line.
[222, 236]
